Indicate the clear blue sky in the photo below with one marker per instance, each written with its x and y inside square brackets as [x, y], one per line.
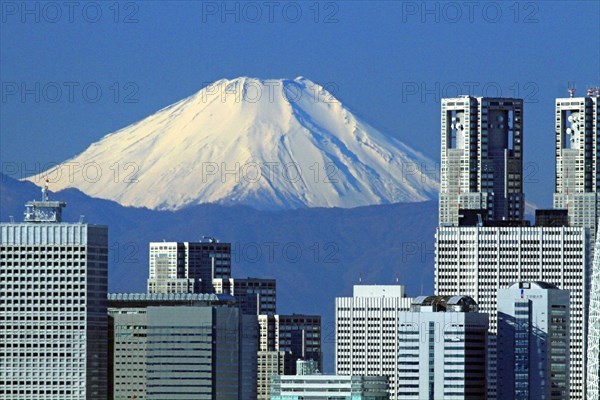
[389, 62]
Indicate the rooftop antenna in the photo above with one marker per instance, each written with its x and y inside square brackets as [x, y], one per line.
[571, 90]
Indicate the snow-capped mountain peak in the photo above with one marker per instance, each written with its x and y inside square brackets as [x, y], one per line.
[269, 144]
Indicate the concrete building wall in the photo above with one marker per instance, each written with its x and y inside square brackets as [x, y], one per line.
[53, 330]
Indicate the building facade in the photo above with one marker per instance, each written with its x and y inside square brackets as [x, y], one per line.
[577, 179]
[442, 349]
[283, 340]
[478, 261]
[593, 351]
[366, 332]
[308, 384]
[53, 323]
[577, 189]
[181, 346]
[188, 267]
[533, 342]
[269, 364]
[481, 158]
[254, 295]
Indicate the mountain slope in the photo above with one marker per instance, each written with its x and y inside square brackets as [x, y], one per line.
[269, 144]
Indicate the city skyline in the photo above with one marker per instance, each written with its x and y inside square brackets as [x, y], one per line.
[394, 200]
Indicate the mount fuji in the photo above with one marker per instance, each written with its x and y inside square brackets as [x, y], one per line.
[268, 144]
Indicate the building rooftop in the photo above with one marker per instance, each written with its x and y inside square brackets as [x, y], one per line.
[532, 285]
[158, 297]
[445, 303]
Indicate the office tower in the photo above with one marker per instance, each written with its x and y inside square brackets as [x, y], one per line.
[593, 351]
[254, 295]
[297, 336]
[442, 349]
[480, 260]
[577, 181]
[181, 346]
[533, 342]
[366, 326]
[308, 383]
[188, 267]
[53, 328]
[482, 158]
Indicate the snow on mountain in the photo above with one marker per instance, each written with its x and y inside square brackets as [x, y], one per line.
[268, 144]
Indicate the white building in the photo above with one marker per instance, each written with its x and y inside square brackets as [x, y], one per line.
[593, 351]
[533, 342]
[308, 384]
[442, 349]
[53, 321]
[478, 261]
[577, 181]
[188, 267]
[482, 158]
[366, 331]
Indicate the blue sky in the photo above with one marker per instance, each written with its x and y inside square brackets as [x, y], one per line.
[72, 73]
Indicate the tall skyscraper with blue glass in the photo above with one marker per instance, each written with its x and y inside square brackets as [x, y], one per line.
[533, 342]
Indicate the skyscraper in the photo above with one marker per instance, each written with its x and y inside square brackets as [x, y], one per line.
[482, 158]
[577, 123]
[53, 322]
[533, 342]
[366, 332]
[593, 362]
[188, 267]
[442, 349]
[181, 346]
[577, 180]
[480, 260]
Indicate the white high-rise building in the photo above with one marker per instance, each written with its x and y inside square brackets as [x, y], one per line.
[593, 351]
[577, 123]
[366, 332]
[533, 342]
[442, 349]
[478, 261]
[482, 158]
[577, 181]
[188, 267]
[53, 319]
